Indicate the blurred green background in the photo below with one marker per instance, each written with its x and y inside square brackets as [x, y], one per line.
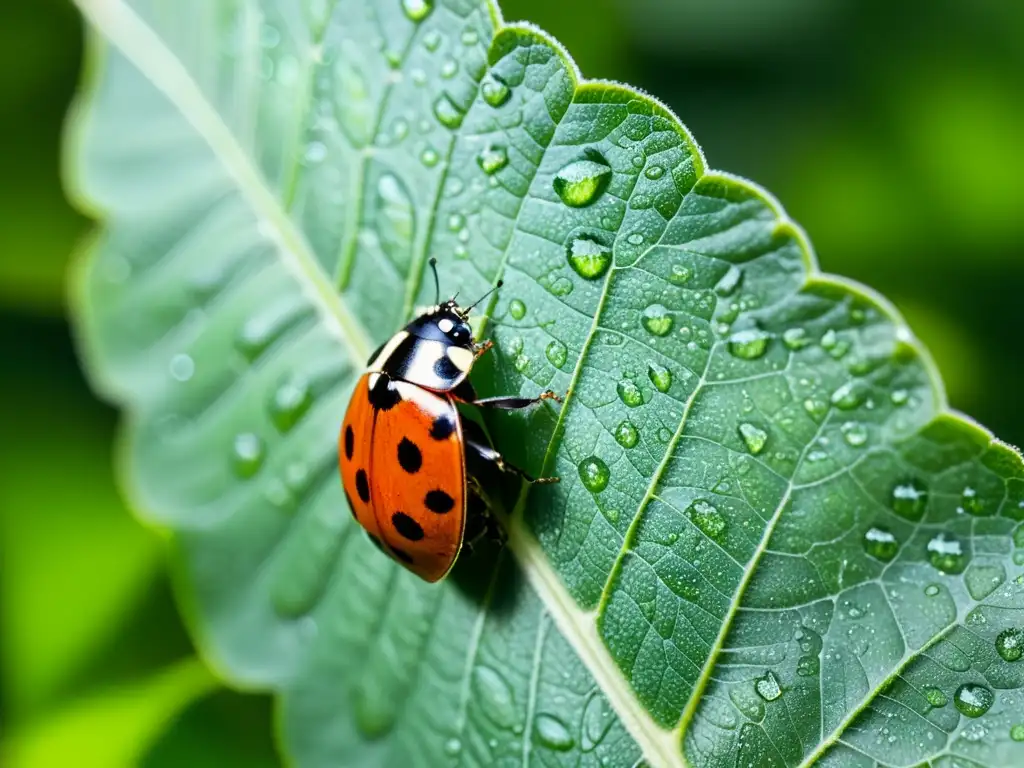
[894, 135]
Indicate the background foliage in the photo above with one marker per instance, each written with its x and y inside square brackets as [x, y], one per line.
[891, 137]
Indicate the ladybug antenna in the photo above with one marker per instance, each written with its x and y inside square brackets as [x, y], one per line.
[497, 285]
[437, 282]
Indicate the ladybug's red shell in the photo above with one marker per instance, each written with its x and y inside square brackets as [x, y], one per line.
[403, 470]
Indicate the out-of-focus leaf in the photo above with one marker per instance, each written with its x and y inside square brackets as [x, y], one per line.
[772, 540]
[112, 728]
[74, 560]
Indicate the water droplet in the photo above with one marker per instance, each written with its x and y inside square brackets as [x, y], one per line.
[854, 433]
[1017, 732]
[495, 696]
[494, 90]
[768, 687]
[562, 286]
[973, 700]
[730, 281]
[315, 153]
[660, 376]
[449, 68]
[182, 367]
[595, 474]
[899, 397]
[456, 222]
[581, 182]
[517, 309]
[247, 454]
[848, 396]
[630, 393]
[552, 733]
[679, 275]
[417, 10]
[749, 344]
[269, 36]
[635, 238]
[708, 519]
[588, 257]
[429, 157]
[909, 499]
[492, 159]
[946, 553]
[932, 590]
[935, 696]
[1010, 644]
[470, 37]
[626, 435]
[881, 544]
[521, 363]
[556, 353]
[432, 40]
[514, 346]
[290, 401]
[816, 409]
[449, 115]
[795, 338]
[971, 502]
[665, 435]
[657, 320]
[754, 437]
[597, 720]
[452, 747]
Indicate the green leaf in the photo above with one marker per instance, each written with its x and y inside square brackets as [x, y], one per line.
[112, 727]
[772, 543]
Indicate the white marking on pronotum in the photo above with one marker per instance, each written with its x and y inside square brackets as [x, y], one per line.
[445, 324]
[388, 349]
[461, 357]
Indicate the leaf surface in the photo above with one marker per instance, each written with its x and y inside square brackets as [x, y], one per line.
[772, 543]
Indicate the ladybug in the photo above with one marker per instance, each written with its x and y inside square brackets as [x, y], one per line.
[414, 472]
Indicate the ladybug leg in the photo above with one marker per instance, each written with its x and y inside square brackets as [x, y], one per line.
[515, 403]
[480, 523]
[482, 348]
[482, 458]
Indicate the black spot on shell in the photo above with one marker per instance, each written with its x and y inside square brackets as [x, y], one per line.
[362, 486]
[406, 526]
[350, 442]
[445, 369]
[409, 456]
[439, 502]
[384, 394]
[403, 556]
[443, 427]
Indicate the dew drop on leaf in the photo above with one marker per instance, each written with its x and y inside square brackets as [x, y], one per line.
[854, 433]
[492, 158]
[935, 696]
[289, 402]
[588, 257]
[470, 37]
[182, 367]
[432, 40]
[247, 454]
[753, 437]
[932, 590]
[594, 473]
[909, 499]
[556, 353]
[660, 376]
[946, 553]
[679, 275]
[899, 397]
[973, 700]
[1017, 732]
[315, 153]
[730, 281]
[517, 309]
[848, 396]
[597, 720]
[665, 435]
[1010, 644]
[581, 182]
[417, 10]
[816, 409]
[626, 434]
[495, 696]
[795, 338]
[561, 286]
[452, 747]
[881, 544]
[494, 90]
[630, 393]
[449, 115]
[768, 687]
[657, 320]
[553, 734]
[521, 363]
[429, 157]
[749, 344]
[708, 519]
[972, 503]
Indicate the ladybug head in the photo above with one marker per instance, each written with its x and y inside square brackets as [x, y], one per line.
[446, 321]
